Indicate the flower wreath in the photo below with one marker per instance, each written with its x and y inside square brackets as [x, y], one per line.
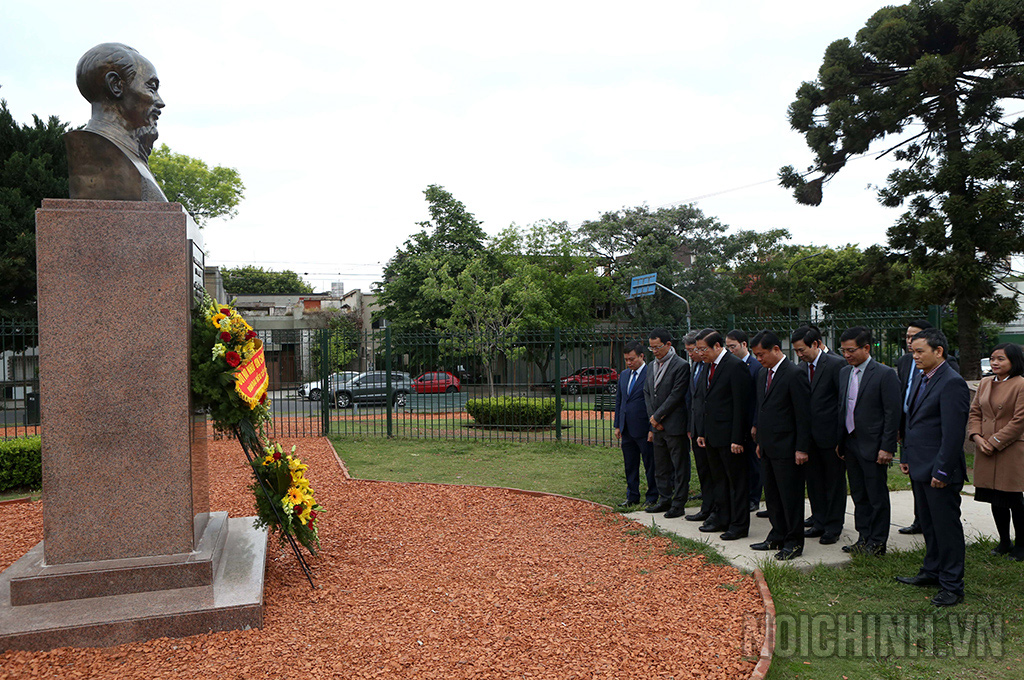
[225, 349]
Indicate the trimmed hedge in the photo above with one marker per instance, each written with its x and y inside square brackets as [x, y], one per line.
[21, 463]
[512, 411]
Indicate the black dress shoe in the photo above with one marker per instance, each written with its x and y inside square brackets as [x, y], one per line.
[828, 539]
[627, 503]
[658, 507]
[813, 533]
[698, 516]
[761, 513]
[918, 580]
[876, 549]
[809, 522]
[856, 547]
[947, 598]
[914, 528]
[753, 506]
[1001, 549]
[732, 535]
[789, 553]
[766, 545]
[712, 528]
[675, 512]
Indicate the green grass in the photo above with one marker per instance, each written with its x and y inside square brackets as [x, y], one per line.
[857, 597]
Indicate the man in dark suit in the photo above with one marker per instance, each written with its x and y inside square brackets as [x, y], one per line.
[665, 388]
[933, 456]
[736, 342]
[907, 372]
[700, 457]
[632, 427]
[720, 405]
[783, 436]
[869, 423]
[825, 471]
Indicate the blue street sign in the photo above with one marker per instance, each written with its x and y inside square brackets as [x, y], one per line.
[641, 286]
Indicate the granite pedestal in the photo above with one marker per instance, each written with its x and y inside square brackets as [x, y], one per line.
[130, 549]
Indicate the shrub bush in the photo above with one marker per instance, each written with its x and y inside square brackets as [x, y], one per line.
[512, 411]
[21, 463]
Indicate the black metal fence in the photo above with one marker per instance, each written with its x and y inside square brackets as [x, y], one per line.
[384, 384]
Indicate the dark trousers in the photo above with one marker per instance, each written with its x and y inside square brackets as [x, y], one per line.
[672, 467]
[730, 473]
[871, 510]
[707, 485]
[633, 452]
[944, 547]
[784, 498]
[755, 470]
[826, 489]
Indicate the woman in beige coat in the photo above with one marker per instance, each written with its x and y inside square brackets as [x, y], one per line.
[996, 426]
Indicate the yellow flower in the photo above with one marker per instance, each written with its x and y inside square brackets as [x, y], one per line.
[294, 496]
[300, 482]
[217, 318]
[268, 459]
[296, 465]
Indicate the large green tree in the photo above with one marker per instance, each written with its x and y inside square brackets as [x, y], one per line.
[33, 166]
[936, 75]
[693, 254]
[205, 192]
[452, 237]
[252, 280]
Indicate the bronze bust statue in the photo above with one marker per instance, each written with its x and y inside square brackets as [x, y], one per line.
[109, 158]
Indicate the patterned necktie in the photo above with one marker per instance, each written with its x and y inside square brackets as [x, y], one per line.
[851, 398]
[768, 385]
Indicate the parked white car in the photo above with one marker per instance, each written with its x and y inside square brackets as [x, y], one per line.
[313, 390]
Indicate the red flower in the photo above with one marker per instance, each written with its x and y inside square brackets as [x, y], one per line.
[250, 335]
[225, 336]
[263, 399]
[277, 455]
[225, 311]
[233, 359]
[312, 514]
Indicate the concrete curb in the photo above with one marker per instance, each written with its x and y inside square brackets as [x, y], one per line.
[12, 501]
[768, 648]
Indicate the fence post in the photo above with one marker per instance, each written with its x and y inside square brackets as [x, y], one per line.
[326, 395]
[558, 386]
[731, 323]
[387, 368]
[935, 315]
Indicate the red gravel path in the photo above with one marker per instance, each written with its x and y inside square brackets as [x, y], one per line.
[423, 581]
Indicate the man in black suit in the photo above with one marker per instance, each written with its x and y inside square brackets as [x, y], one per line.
[668, 379]
[933, 456]
[632, 427]
[720, 405]
[783, 436]
[825, 470]
[907, 372]
[736, 342]
[700, 457]
[869, 423]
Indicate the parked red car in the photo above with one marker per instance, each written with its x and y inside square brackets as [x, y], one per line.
[436, 382]
[592, 379]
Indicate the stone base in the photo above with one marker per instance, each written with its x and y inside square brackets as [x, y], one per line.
[234, 600]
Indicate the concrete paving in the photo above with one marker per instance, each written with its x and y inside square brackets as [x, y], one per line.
[977, 519]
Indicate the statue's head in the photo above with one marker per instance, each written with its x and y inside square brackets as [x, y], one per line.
[123, 88]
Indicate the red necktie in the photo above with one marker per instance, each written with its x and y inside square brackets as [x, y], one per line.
[711, 374]
[812, 372]
[768, 385]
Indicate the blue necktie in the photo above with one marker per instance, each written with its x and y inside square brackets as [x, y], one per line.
[632, 380]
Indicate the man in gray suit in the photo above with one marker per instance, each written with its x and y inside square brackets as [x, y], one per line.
[665, 389]
[869, 423]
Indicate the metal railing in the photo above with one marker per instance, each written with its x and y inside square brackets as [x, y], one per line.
[390, 396]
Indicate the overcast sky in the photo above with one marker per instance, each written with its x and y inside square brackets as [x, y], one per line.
[339, 114]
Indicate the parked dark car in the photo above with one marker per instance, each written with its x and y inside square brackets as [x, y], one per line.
[311, 390]
[371, 387]
[592, 379]
[436, 382]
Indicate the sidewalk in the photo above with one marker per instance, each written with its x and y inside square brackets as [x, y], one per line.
[977, 519]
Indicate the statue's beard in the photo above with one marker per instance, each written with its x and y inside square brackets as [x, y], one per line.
[145, 137]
